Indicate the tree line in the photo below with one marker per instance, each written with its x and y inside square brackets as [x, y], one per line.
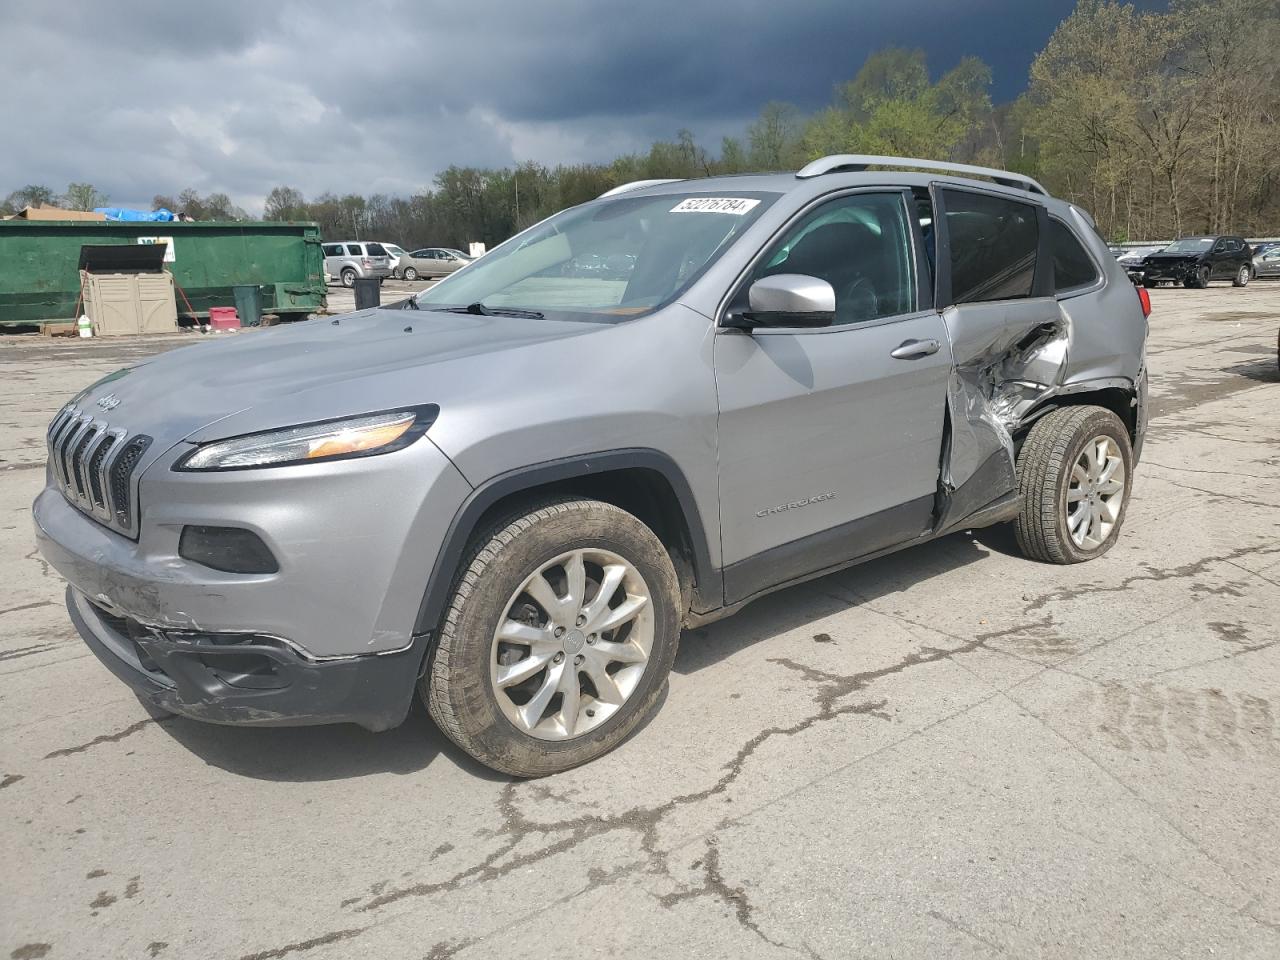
[1159, 123]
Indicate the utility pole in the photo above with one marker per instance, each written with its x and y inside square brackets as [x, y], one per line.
[515, 178]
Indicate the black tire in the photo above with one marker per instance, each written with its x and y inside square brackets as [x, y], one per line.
[1151, 284]
[1198, 280]
[1045, 462]
[410, 273]
[1242, 277]
[348, 277]
[457, 687]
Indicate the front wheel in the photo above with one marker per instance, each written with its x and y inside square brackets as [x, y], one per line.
[1075, 470]
[558, 638]
[410, 273]
[1242, 277]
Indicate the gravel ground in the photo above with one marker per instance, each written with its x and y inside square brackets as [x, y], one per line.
[951, 752]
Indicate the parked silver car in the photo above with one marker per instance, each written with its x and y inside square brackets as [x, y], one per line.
[353, 259]
[1266, 259]
[511, 493]
[431, 262]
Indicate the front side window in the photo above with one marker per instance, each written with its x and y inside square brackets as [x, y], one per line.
[333, 249]
[861, 245]
[1072, 265]
[606, 260]
[993, 243]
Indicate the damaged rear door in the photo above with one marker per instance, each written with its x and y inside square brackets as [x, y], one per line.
[1008, 337]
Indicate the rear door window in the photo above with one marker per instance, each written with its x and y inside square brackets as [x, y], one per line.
[353, 250]
[993, 243]
[1072, 265]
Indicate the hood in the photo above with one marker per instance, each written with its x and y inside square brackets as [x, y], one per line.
[1172, 258]
[313, 370]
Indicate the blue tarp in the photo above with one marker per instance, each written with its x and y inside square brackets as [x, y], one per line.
[121, 213]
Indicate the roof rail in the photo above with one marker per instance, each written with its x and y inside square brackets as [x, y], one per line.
[851, 162]
[635, 185]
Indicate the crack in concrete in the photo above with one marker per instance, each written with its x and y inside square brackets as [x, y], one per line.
[1148, 462]
[960, 928]
[714, 886]
[21, 652]
[321, 941]
[1219, 495]
[28, 606]
[108, 737]
[1154, 574]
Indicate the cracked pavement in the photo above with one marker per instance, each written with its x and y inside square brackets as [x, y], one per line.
[949, 752]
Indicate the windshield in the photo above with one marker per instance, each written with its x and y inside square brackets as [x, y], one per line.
[394, 250]
[1189, 245]
[606, 260]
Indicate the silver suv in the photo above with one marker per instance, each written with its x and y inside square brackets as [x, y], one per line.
[514, 491]
[352, 259]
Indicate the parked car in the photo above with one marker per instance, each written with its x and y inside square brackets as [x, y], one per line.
[1131, 259]
[432, 262]
[1266, 259]
[511, 494]
[394, 254]
[350, 260]
[1195, 261]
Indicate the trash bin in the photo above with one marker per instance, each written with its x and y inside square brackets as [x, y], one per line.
[368, 292]
[248, 304]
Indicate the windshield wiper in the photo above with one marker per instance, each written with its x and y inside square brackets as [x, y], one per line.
[480, 310]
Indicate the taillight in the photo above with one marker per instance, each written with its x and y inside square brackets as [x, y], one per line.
[1144, 298]
[366, 261]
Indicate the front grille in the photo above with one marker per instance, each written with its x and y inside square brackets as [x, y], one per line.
[93, 464]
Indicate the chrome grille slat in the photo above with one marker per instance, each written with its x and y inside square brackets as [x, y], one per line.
[93, 465]
[77, 462]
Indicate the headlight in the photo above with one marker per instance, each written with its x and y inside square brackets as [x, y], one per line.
[314, 442]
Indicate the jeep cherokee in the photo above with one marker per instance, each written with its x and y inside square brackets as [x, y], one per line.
[514, 491]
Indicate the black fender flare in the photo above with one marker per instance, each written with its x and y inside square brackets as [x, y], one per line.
[445, 570]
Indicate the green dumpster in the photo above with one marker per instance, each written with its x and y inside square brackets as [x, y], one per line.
[40, 279]
[248, 304]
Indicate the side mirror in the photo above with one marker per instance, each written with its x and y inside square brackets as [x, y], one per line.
[787, 300]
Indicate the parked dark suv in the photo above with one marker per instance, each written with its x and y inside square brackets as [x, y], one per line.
[1194, 261]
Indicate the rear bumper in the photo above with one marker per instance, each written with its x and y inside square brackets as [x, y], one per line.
[246, 679]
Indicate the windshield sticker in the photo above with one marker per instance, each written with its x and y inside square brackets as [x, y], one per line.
[734, 205]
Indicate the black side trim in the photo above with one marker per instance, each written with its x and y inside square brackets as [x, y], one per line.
[827, 549]
[487, 494]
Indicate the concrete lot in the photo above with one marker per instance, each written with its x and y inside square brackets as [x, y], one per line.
[952, 752]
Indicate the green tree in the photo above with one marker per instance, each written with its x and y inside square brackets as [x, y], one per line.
[83, 196]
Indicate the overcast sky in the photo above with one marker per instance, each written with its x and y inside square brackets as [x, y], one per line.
[150, 96]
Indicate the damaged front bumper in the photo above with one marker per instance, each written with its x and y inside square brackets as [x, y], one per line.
[247, 679]
[1177, 272]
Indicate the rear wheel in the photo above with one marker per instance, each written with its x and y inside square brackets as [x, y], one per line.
[410, 273]
[558, 639]
[1242, 277]
[1075, 470]
[348, 277]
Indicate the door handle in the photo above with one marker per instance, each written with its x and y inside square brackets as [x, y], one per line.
[911, 349]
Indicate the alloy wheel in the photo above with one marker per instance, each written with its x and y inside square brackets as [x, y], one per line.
[572, 644]
[1095, 493]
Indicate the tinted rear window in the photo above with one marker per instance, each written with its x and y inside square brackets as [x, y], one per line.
[993, 246]
[1072, 266]
[376, 249]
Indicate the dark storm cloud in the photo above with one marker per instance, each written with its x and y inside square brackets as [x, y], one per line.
[148, 97]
